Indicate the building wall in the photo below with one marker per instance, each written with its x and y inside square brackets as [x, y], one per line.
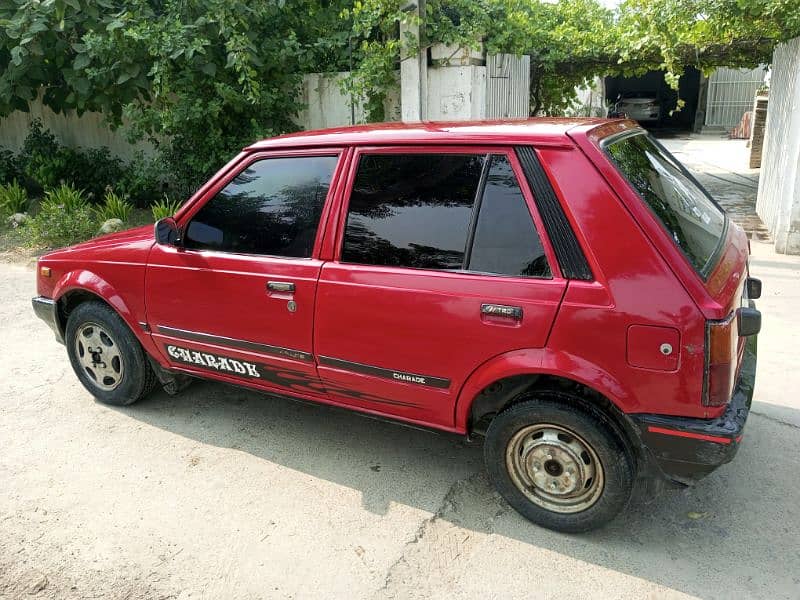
[327, 106]
[778, 202]
[454, 92]
[90, 130]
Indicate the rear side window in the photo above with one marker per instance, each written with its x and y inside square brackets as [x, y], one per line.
[272, 208]
[412, 210]
[505, 239]
[456, 212]
[693, 221]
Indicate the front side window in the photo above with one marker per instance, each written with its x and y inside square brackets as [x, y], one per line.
[454, 212]
[272, 208]
[693, 221]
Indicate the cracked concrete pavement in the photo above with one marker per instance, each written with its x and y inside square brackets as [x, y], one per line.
[225, 493]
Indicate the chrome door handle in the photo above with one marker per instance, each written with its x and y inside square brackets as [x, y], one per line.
[280, 286]
[502, 310]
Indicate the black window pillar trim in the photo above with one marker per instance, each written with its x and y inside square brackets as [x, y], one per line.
[569, 254]
[476, 207]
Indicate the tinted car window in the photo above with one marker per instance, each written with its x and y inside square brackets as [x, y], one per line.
[693, 221]
[411, 210]
[272, 207]
[506, 241]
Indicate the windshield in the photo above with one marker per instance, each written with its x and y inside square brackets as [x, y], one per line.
[692, 219]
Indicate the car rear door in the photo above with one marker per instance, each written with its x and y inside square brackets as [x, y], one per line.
[439, 267]
[236, 299]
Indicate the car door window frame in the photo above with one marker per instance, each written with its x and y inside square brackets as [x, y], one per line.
[480, 150]
[235, 168]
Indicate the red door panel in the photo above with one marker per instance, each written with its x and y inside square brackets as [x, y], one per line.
[200, 299]
[247, 317]
[403, 341]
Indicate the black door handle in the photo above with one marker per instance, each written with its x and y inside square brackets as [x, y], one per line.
[280, 286]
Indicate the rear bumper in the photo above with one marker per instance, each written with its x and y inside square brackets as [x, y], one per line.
[684, 450]
[45, 309]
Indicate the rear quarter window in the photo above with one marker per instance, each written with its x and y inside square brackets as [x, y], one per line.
[688, 214]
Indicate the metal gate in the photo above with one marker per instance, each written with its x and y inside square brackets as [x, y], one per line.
[507, 86]
[730, 95]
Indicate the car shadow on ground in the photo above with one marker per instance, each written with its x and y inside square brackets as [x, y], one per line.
[718, 538]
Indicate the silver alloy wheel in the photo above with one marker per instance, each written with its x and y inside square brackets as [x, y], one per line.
[555, 468]
[99, 356]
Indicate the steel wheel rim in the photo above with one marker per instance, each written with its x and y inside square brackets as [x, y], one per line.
[99, 356]
[555, 468]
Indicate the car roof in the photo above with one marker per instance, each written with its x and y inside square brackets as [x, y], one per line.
[540, 130]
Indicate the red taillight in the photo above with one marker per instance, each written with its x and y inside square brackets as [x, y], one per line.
[721, 353]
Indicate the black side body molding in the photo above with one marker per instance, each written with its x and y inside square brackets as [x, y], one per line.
[570, 257]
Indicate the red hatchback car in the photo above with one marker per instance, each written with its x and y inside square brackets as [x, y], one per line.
[563, 288]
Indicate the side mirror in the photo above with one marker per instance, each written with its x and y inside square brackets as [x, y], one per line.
[753, 288]
[167, 232]
[749, 321]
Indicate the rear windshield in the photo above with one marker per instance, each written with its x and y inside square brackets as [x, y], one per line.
[691, 218]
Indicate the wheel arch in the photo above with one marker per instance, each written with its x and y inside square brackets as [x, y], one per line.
[495, 385]
[77, 287]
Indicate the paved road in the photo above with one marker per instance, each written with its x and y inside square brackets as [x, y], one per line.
[222, 493]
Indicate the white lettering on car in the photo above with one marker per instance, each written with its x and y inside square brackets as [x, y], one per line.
[214, 361]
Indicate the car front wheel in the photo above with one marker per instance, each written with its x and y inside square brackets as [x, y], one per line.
[559, 463]
[106, 356]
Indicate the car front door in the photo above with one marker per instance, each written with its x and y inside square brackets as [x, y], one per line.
[439, 268]
[235, 299]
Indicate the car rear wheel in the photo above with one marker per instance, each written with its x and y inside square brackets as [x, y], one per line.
[559, 463]
[106, 356]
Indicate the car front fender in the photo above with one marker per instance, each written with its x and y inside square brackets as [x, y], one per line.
[87, 281]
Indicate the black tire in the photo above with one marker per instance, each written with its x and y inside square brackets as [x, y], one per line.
[551, 412]
[136, 378]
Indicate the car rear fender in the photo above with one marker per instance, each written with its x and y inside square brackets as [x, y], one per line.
[538, 361]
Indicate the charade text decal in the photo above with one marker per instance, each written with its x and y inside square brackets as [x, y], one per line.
[410, 378]
[214, 361]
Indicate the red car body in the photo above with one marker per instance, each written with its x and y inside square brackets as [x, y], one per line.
[360, 334]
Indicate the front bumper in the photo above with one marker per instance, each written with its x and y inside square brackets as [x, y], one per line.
[684, 450]
[45, 309]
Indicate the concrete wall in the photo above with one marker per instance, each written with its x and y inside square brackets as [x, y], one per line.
[327, 106]
[778, 202]
[456, 93]
[89, 130]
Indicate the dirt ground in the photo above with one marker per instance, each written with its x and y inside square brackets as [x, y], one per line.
[224, 493]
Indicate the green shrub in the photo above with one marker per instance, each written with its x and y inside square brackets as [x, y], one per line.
[41, 159]
[142, 179]
[64, 218]
[67, 197]
[13, 198]
[165, 208]
[114, 207]
[46, 164]
[9, 167]
[96, 170]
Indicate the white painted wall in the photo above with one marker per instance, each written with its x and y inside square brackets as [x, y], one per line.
[327, 106]
[90, 130]
[456, 93]
[778, 202]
